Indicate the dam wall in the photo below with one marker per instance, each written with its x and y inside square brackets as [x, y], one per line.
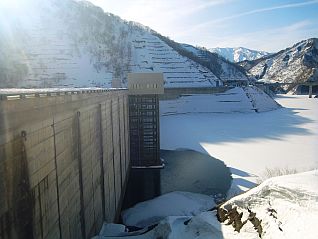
[64, 161]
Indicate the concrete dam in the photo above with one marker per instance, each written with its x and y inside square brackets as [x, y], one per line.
[64, 160]
[65, 155]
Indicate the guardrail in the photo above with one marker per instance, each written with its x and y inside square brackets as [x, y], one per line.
[308, 83]
[17, 94]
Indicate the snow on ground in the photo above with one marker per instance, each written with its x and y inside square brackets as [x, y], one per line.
[250, 142]
[261, 101]
[287, 207]
[171, 204]
[233, 100]
[236, 100]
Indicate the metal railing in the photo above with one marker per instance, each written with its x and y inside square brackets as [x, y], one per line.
[18, 94]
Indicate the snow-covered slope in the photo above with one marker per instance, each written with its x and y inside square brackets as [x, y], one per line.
[52, 44]
[281, 207]
[298, 63]
[237, 54]
[244, 100]
[151, 54]
[68, 43]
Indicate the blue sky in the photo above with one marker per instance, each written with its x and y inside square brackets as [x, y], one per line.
[268, 25]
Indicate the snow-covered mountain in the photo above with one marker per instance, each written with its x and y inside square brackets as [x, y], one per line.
[224, 68]
[237, 54]
[68, 43]
[298, 63]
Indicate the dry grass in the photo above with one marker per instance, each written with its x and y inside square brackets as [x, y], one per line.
[275, 172]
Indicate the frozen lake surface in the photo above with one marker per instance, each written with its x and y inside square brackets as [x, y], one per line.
[251, 142]
[185, 170]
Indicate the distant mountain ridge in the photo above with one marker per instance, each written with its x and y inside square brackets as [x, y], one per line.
[238, 54]
[295, 64]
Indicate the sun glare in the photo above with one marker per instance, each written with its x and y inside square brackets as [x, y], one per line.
[13, 4]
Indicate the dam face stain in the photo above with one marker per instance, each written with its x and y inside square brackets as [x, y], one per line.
[19, 217]
[23, 197]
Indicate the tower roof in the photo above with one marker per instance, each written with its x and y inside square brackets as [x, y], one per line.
[145, 83]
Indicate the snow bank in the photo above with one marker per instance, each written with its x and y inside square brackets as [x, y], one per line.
[112, 229]
[287, 207]
[170, 204]
[243, 100]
